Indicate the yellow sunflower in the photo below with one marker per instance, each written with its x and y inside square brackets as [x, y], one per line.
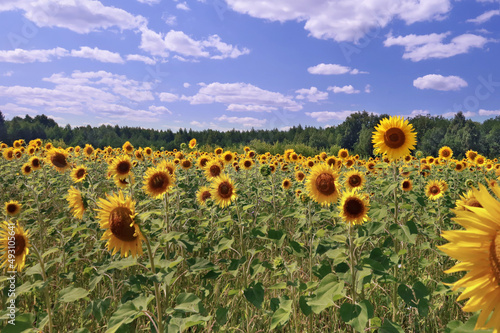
[116, 215]
[202, 162]
[300, 175]
[228, 157]
[57, 157]
[445, 152]
[471, 155]
[192, 143]
[434, 190]
[354, 179]
[222, 191]
[75, 202]
[12, 208]
[203, 195]
[322, 185]
[127, 148]
[467, 199]
[124, 182]
[213, 169]
[14, 246]
[26, 169]
[8, 154]
[36, 163]
[157, 182]
[186, 164]
[88, 150]
[395, 137]
[79, 173]
[354, 207]
[120, 167]
[286, 184]
[477, 248]
[406, 185]
[343, 153]
[247, 164]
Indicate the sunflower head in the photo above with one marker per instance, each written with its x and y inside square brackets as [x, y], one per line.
[213, 169]
[222, 191]
[127, 148]
[406, 185]
[12, 208]
[21, 246]
[343, 153]
[203, 195]
[58, 158]
[322, 184]
[247, 164]
[192, 143]
[121, 166]
[186, 164]
[354, 207]
[434, 190]
[354, 179]
[445, 152]
[286, 183]
[157, 181]
[26, 168]
[395, 137]
[76, 202]
[79, 173]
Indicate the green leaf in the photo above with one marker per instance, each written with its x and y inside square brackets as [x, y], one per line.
[128, 312]
[187, 302]
[280, 285]
[72, 294]
[23, 322]
[390, 327]
[221, 316]
[255, 294]
[282, 315]
[329, 290]
[357, 315]
[457, 326]
[224, 244]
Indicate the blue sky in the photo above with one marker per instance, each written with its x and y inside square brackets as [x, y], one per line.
[226, 64]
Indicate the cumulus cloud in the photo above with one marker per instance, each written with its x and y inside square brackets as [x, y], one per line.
[242, 94]
[368, 89]
[439, 82]
[421, 47]
[183, 6]
[333, 69]
[345, 89]
[186, 85]
[467, 114]
[160, 109]
[342, 20]
[482, 112]
[21, 56]
[149, 2]
[324, 116]
[97, 54]
[484, 17]
[243, 121]
[138, 57]
[168, 97]
[251, 108]
[420, 112]
[312, 94]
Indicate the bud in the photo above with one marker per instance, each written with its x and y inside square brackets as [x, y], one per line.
[469, 183]
[265, 170]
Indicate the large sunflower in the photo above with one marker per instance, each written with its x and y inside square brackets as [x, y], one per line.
[116, 216]
[222, 191]
[75, 202]
[395, 137]
[120, 167]
[322, 185]
[58, 158]
[157, 181]
[16, 245]
[354, 207]
[477, 248]
[213, 169]
[467, 199]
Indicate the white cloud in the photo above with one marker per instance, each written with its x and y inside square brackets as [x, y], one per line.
[333, 69]
[186, 85]
[21, 56]
[81, 16]
[11, 109]
[324, 116]
[482, 112]
[421, 47]
[243, 94]
[415, 113]
[484, 17]
[368, 89]
[97, 54]
[168, 97]
[178, 42]
[8, 73]
[467, 114]
[343, 20]
[247, 108]
[159, 109]
[345, 89]
[312, 94]
[244, 121]
[182, 6]
[439, 82]
[169, 19]
[138, 57]
[149, 2]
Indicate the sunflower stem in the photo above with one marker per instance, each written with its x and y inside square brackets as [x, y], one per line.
[45, 290]
[157, 287]
[396, 248]
[352, 259]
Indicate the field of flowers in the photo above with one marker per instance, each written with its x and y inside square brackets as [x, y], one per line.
[128, 239]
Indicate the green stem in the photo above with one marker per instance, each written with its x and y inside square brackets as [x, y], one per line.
[352, 259]
[396, 248]
[157, 286]
[45, 289]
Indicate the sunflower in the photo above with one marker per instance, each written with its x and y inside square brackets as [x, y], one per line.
[247, 164]
[406, 185]
[218, 151]
[8, 154]
[343, 153]
[26, 169]
[79, 173]
[170, 166]
[354, 179]
[157, 182]
[138, 155]
[88, 150]
[124, 182]
[203, 195]
[58, 159]
[186, 164]
[477, 248]
[322, 185]
[299, 175]
[467, 199]
[471, 155]
[192, 143]
[120, 167]
[286, 184]
[116, 215]
[354, 207]
[251, 154]
[127, 148]
[445, 152]
[434, 190]
[480, 160]
[75, 202]
[202, 161]
[222, 191]
[12, 208]
[21, 246]
[459, 167]
[213, 169]
[395, 137]
[227, 157]
[148, 151]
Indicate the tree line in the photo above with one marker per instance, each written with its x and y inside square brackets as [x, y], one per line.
[433, 132]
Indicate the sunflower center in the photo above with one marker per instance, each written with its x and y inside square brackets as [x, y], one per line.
[406, 184]
[123, 167]
[186, 164]
[120, 224]
[203, 162]
[11, 208]
[354, 180]
[354, 207]
[325, 183]
[228, 157]
[394, 138]
[247, 164]
[80, 173]
[445, 153]
[20, 244]
[10, 154]
[225, 190]
[434, 190]
[35, 162]
[59, 160]
[300, 176]
[286, 183]
[27, 169]
[495, 256]
[473, 202]
[158, 181]
[205, 195]
[214, 170]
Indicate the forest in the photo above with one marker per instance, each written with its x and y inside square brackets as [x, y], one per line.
[433, 132]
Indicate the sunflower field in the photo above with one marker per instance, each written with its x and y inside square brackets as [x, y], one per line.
[131, 239]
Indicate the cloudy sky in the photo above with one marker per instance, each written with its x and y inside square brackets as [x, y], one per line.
[226, 64]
